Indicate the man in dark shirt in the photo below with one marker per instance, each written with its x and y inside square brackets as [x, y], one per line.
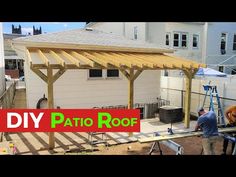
[208, 124]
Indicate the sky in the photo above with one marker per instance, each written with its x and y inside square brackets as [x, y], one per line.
[47, 27]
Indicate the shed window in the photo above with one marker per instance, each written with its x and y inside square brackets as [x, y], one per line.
[112, 73]
[95, 73]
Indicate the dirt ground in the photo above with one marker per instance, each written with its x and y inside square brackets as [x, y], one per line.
[192, 146]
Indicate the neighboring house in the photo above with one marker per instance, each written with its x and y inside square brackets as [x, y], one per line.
[88, 88]
[14, 65]
[2, 72]
[211, 43]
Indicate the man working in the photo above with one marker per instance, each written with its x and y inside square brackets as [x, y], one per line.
[208, 123]
[230, 114]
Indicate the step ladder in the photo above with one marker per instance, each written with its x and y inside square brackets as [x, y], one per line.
[94, 141]
[215, 104]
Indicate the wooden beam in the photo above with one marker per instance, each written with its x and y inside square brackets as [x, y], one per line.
[33, 45]
[116, 63]
[50, 103]
[137, 74]
[83, 58]
[125, 73]
[95, 59]
[58, 58]
[71, 58]
[58, 74]
[133, 61]
[131, 93]
[28, 56]
[181, 135]
[141, 59]
[40, 74]
[43, 57]
[158, 60]
[187, 105]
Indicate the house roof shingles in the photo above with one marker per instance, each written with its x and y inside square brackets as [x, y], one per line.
[88, 37]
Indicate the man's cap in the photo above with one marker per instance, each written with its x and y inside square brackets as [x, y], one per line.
[200, 109]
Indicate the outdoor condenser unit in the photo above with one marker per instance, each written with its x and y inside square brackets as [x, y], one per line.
[170, 114]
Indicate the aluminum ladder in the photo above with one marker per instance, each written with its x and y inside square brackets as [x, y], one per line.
[214, 94]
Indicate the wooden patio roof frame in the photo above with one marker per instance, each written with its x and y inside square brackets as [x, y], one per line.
[126, 61]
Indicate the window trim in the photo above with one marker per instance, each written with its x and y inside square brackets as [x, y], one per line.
[174, 40]
[226, 42]
[169, 34]
[234, 35]
[223, 68]
[180, 33]
[104, 76]
[112, 76]
[197, 35]
[187, 38]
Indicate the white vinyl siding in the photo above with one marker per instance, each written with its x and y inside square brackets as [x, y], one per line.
[74, 90]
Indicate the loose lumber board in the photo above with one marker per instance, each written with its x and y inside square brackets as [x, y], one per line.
[181, 135]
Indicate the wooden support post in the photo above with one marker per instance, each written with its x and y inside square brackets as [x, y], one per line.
[131, 92]
[50, 103]
[131, 78]
[187, 105]
[131, 89]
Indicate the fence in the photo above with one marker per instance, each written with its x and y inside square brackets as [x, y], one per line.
[6, 100]
[147, 110]
[173, 89]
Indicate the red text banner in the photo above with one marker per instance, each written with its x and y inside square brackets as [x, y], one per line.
[70, 120]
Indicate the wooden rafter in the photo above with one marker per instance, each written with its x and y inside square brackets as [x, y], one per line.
[70, 58]
[147, 63]
[58, 58]
[122, 59]
[157, 60]
[104, 57]
[95, 59]
[43, 57]
[131, 60]
[83, 59]
[122, 62]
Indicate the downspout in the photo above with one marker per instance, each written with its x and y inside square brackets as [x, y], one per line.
[124, 29]
[204, 43]
[146, 31]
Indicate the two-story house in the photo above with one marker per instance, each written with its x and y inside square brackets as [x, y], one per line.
[213, 43]
[2, 71]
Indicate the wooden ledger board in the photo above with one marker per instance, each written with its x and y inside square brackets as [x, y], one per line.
[181, 135]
